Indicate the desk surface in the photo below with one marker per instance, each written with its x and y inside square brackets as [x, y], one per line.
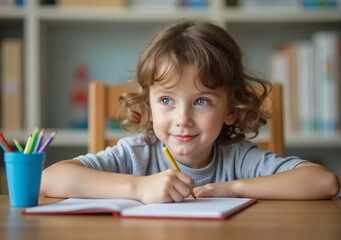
[264, 220]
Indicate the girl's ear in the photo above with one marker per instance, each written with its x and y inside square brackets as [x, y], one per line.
[231, 116]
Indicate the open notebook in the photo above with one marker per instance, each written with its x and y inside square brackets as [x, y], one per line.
[202, 208]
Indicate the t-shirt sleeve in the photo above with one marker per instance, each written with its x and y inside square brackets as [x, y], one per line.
[112, 159]
[256, 162]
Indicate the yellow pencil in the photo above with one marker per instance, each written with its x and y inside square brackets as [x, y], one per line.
[175, 166]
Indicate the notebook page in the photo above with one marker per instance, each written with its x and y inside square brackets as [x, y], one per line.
[190, 208]
[78, 204]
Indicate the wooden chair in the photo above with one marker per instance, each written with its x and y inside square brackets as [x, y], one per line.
[104, 105]
[275, 140]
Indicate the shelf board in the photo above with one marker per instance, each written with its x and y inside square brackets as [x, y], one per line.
[64, 138]
[79, 138]
[231, 15]
[124, 14]
[12, 12]
[313, 140]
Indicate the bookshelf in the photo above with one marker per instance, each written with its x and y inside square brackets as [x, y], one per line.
[52, 50]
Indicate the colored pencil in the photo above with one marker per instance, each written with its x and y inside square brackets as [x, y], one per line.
[175, 166]
[28, 145]
[3, 140]
[3, 147]
[33, 140]
[39, 140]
[47, 142]
[18, 145]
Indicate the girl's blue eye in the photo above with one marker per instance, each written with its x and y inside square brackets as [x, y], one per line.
[201, 102]
[166, 101]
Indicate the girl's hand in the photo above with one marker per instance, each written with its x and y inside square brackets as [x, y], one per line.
[166, 186]
[299, 183]
[222, 189]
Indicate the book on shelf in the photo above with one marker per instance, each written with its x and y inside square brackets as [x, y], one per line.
[310, 75]
[48, 2]
[339, 85]
[279, 72]
[194, 4]
[327, 80]
[288, 5]
[320, 4]
[283, 69]
[7, 3]
[22, 2]
[202, 208]
[91, 3]
[154, 4]
[79, 98]
[11, 83]
[262, 5]
[305, 87]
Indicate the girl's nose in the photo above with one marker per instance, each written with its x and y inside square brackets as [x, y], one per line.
[184, 118]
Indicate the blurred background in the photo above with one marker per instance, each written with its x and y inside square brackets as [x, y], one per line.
[51, 49]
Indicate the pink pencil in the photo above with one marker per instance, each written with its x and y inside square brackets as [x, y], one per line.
[47, 142]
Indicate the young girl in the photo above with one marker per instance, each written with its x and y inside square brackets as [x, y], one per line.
[195, 99]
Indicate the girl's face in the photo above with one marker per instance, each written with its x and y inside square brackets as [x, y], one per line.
[188, 117]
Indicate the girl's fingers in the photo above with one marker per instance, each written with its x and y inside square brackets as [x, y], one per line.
[204, 191]
[176, 196]
[182, 189]
[185, 184]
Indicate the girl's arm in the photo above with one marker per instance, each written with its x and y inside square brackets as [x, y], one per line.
[306, 181]
[70, 178]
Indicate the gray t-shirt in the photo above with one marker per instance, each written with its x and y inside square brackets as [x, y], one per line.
[132, 155]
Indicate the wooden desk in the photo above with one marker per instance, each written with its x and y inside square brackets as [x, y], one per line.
[264, 220]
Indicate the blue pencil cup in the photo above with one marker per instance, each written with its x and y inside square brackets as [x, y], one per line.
[23, 172]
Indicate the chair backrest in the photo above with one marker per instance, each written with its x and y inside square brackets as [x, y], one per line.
[104, 105]
[275, 139]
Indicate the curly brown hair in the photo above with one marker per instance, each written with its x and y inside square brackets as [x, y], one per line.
[218, 63]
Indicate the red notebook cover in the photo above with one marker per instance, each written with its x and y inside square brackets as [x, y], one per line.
[203, 208]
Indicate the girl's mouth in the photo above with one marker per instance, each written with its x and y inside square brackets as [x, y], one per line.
[184, 138]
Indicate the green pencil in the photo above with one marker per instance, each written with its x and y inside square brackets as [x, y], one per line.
[18, 145]
[33, 141]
